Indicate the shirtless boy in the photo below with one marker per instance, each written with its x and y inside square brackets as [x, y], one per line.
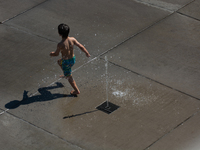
[66, 47]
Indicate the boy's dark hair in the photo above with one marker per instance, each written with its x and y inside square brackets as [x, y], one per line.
[63, 30]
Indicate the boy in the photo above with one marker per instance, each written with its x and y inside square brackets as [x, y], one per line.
[68, 58]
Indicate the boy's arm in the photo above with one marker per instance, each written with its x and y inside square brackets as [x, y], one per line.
[81, 47]
[56, 53]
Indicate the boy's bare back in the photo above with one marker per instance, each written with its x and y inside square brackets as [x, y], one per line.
[66, 47]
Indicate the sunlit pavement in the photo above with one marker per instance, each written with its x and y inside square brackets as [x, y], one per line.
[139, 89]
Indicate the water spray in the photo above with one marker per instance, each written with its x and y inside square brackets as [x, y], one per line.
[107, 106]
[106, 65]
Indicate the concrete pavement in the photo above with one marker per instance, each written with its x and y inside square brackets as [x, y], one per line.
[152, 75]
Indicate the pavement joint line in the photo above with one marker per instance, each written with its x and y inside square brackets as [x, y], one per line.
[32, 34]
[45, 130]
[186, 5]
[22, 12]
[188, 16]
[180, 124]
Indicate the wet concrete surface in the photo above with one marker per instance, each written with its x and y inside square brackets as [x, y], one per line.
[153, 61]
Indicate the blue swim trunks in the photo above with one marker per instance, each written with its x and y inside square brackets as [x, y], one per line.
[67, 65]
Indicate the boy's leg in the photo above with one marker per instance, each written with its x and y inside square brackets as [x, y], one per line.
[73, 84]
[60, 64]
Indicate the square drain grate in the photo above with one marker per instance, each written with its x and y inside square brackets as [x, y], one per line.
[111, 107]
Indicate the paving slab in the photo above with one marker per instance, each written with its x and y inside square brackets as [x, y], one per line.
[168, 53]
[11, 8]
[25, 64]
[20, 135]
[147, 110]
[192, 10]
[98, 25]
[185, 137]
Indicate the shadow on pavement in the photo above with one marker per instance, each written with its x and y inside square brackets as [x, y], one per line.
[71, 116]
[45, 95]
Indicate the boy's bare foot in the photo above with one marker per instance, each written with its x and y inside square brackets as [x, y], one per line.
[74, 92]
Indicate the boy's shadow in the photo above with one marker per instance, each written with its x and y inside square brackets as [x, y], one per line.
[45, 95]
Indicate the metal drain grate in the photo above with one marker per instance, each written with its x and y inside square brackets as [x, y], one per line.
[111, 107]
